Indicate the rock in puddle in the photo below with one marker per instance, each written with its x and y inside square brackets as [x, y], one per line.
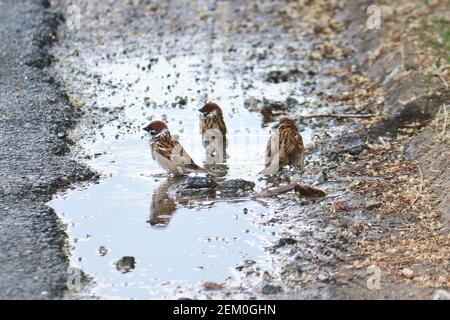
[126, 264]
[196, 187]
[199, 183]
[207, 187]
[102, 251]
[236, 187]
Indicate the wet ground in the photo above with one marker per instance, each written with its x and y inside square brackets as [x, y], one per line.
[109, 73]
[176, 246]
[125, 63]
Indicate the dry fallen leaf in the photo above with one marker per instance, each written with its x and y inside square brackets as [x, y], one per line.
[338, 206]
[210, 285]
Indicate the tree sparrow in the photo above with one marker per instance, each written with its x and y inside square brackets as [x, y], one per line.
[285, 147]
[213, 130]
[169, 153]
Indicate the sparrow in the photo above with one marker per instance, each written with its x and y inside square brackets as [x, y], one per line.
[213, 130]
[285, 147]
[169, 153]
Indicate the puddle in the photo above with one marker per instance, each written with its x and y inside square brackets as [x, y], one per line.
[176, 247]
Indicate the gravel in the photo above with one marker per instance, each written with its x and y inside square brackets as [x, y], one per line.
[34, 117]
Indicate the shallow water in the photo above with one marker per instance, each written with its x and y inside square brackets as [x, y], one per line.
[176, 246]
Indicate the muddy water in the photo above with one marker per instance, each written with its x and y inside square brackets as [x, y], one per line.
[175, 247]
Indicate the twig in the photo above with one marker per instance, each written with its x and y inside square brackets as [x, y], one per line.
[421, 184]
[335, 115]
[303, 190]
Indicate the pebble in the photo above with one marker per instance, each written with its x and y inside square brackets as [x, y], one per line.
[270, 289]
[408, 273]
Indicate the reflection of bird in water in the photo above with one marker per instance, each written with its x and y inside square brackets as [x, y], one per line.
[163, 206]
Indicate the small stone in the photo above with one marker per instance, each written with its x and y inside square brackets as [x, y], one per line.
[291, 102]
[199, 182]
[210, 285]
[372, 204]
[285, 241]
[249, 262]
[126, 264]
[278, 76]
[275, 105]
[102, 251]
[76, 102]
[252, 103]
[408, 273]
[238, 184]
[270, 289]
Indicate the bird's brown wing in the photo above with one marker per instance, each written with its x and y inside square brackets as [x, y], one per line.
[172, 150]
[181, 157]
[210, 122]
[217, 124]
[292, 141]
[222, 125]
[268, 157]
[163, 147]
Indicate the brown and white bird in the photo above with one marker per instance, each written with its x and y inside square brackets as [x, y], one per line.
[168, 152]
[285, 147]
[213, 129]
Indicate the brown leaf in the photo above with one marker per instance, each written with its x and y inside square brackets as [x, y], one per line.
[338, 206]
[308, 191]
[210, 285]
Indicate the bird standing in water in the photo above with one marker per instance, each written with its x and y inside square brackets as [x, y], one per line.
[169, 153]
[285, 147]
[213, 131]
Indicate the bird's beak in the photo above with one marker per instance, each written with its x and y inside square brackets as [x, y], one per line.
[146, 129]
